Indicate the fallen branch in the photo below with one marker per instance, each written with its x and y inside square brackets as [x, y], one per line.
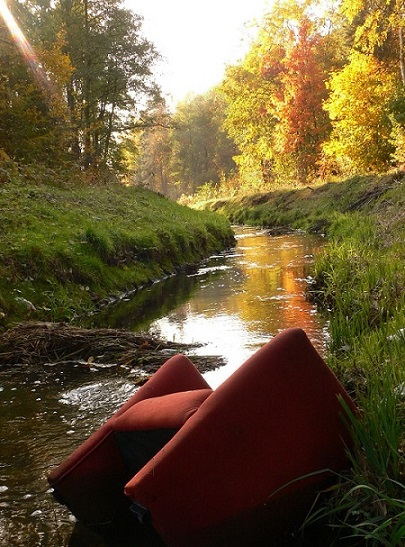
[37, 343]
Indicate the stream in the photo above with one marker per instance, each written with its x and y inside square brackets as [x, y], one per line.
[234, 303]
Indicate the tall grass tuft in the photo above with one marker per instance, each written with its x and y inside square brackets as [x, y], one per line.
[362, 283]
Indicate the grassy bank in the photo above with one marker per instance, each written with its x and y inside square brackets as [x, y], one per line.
[65, 245]
[360, 280]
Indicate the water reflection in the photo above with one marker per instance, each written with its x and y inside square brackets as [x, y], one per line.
[235, 302]
[260, 292]
[138, 310]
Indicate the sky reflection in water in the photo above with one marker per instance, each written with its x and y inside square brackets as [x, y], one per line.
[245, 297]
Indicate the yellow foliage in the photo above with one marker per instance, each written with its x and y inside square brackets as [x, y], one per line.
[359, 99]
[351, 8]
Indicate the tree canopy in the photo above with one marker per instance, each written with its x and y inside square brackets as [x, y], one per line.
[98, 69]
[319, 93]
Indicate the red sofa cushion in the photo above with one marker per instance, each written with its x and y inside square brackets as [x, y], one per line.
[91, 479]
[167, 411]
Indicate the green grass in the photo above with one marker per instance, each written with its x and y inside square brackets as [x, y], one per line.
[65, 245]
[359, 280]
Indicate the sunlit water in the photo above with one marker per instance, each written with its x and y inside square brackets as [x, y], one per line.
[245, 297]
[232, 305]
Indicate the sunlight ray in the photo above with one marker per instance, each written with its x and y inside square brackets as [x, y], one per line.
[25, 48]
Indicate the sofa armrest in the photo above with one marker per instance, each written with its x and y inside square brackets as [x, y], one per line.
[91, 480]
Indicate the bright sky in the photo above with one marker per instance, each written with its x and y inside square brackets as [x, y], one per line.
[197, 39]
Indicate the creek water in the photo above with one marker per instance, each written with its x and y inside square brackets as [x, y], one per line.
[234, 303]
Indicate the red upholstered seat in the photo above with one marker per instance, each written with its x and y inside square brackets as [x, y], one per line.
[91, 480]
[166, 411]
[247, 465]
[238, 466]
[147, 426]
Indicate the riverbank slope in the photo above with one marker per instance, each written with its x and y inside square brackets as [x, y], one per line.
[359, 281]
[66, 247]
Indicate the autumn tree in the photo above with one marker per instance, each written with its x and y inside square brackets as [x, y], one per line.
[113, 65]
[367, 97]
[152, 151]
[248, 90]
[359, 108]
[33, 114]
[377, 28]
[379, 31]
[275, 95]
[302, 125]
[181, 151]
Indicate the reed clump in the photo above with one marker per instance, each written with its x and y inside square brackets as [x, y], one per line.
[361, 281]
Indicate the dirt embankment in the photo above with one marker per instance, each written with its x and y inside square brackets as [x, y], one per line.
[314, 208]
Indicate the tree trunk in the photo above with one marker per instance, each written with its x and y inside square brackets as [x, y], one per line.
[87, 156]
[74, 139]
[109, 131]
[66, 10]
[401, 55]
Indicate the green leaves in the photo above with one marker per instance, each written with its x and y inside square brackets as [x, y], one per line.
[275, 97]
[99, 66]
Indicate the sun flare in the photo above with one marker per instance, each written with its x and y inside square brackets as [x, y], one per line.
[24, 46]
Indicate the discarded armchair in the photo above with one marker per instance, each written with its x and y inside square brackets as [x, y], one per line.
[236, 466]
